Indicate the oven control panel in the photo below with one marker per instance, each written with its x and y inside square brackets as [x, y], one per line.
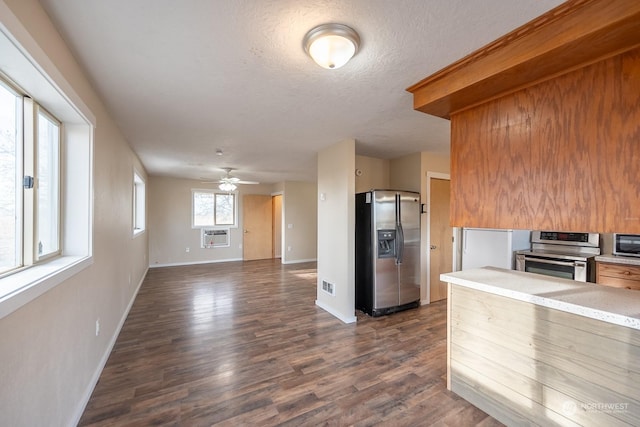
[560, 240]
[558, 236]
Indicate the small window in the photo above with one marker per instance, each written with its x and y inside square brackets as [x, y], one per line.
[139, 204]
[212, 209]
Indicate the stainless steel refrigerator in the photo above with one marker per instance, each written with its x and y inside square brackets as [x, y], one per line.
[387, 251]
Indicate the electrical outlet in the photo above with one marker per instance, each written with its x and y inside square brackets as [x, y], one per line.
[187, 250]
[97, 326]
[288, 248]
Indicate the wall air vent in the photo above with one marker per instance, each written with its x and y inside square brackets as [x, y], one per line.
[329, 288]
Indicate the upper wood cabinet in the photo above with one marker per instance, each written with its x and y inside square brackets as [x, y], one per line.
[545, 123]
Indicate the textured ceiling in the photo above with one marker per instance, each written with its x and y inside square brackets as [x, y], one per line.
[184, 78]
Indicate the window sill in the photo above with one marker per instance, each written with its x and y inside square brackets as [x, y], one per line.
[23, 287]
[138, 232]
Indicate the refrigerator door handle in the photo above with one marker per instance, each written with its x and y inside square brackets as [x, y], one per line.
[400, 239]
[464, 241]
[399, 231]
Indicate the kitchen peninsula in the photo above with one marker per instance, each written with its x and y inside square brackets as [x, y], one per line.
[533, 349]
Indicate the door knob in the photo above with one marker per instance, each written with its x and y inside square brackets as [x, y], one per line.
[433, 247]
[246, 231]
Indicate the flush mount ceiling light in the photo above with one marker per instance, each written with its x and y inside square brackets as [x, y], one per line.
[331, 45]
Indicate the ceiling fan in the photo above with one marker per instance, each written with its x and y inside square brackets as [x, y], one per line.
[229, 182]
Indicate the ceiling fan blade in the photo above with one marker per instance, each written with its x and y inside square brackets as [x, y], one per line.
[247, 182]
[205, 180]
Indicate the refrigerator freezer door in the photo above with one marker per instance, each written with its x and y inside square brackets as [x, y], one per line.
[385, 293]
[409, 268]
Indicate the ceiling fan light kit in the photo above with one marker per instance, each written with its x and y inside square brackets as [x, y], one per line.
[227, 186]
[228, 182]
[331, 45]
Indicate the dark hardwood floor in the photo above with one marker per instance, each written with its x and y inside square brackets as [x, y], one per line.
[243, 343]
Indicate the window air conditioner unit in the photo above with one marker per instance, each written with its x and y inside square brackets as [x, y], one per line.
[215, 238]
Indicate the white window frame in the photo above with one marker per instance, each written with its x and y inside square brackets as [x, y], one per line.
[32, 73]
[36, 255]
[139, 204]
[214, 192]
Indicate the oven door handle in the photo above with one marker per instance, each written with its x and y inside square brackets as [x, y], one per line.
[562, 263]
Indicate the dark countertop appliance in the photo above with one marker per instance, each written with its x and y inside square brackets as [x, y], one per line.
[626, 244]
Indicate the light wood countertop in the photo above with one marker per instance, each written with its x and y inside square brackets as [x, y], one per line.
[617, 259]
[612, 305]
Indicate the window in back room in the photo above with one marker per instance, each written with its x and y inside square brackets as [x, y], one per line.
[213, 209]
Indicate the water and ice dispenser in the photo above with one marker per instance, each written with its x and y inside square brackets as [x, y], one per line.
[386, 243]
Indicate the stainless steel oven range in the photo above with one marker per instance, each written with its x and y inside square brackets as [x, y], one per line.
[561, 254]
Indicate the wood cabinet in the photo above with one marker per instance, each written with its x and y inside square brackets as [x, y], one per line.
[545, 122]
[618, 275]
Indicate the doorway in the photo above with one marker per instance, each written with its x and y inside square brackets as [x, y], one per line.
[276, 201]
[262, 221]
[440, 235]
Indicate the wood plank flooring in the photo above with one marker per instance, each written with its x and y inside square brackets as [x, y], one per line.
[243, 343]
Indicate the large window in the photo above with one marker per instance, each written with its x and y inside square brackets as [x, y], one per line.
[29, 182]
[211, 209]
[46, 164]
[139, 203]
[10, 172]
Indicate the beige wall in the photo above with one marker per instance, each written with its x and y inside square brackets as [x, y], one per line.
[405, 173]
[50, 356]
[336, 229]
[300, 219]
[170, 232]
[374, 174]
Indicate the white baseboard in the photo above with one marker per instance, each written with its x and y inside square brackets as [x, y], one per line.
[105, 356]
[177, 264]
[298, 261]
[330, 310]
